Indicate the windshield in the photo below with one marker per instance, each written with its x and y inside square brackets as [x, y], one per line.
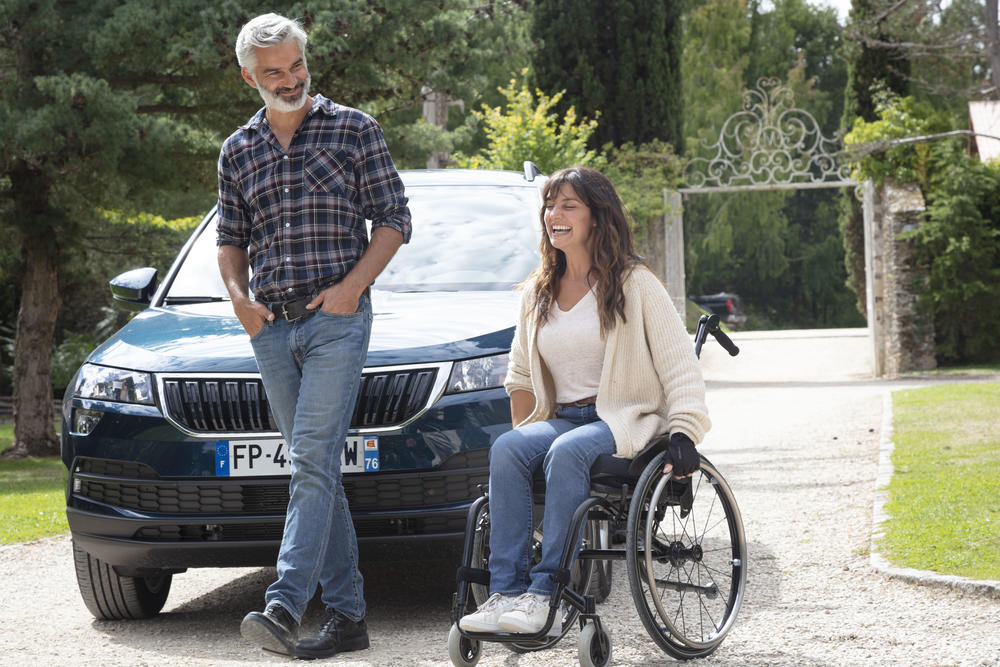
[464, 238]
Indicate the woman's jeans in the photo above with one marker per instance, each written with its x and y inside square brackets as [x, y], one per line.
[311, 369]
[566, 447]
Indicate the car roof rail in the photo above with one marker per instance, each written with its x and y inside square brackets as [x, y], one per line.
[531, 170]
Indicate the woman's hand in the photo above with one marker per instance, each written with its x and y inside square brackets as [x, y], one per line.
[683, 459]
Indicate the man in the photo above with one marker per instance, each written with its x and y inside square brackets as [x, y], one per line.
[296, 184]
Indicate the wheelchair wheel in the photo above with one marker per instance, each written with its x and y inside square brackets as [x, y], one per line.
[581, 575]
[686, 570]
[464, 652]
[594, 646]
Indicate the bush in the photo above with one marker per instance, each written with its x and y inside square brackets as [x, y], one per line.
[959, 241]
[527, 129]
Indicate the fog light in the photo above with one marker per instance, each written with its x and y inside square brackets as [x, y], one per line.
[85, 421]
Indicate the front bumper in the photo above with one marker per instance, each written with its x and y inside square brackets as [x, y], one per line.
[143, 502]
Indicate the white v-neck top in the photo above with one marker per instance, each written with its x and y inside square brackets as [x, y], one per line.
[570, 345]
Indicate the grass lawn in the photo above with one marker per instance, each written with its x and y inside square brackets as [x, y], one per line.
[32, 499]
[944, 497]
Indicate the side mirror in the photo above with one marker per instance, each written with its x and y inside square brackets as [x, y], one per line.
[133, 290]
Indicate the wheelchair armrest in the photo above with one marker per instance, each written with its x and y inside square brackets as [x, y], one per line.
[648, 453]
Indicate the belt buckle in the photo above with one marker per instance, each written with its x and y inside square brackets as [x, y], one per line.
[284, 313]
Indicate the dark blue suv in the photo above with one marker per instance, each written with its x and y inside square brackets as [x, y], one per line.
[175, 462]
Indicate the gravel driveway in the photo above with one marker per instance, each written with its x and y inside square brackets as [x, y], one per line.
[796, 432]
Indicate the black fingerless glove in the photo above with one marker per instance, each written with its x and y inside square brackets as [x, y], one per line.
[683, 455]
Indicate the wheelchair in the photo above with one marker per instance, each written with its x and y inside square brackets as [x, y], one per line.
[682, 542]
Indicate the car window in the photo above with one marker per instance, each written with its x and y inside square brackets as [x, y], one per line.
[464, 238]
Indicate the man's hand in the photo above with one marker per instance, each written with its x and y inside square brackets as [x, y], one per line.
[683, 459]
[253, 315]
[337, 299]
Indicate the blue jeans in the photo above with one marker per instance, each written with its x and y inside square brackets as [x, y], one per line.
[311, 369]
[566, 447]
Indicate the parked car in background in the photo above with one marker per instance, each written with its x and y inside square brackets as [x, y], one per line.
[174, 459]
[728, 306]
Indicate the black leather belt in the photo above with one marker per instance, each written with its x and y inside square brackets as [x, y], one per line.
[292, 310]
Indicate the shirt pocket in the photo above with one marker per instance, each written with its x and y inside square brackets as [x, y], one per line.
[327, 171]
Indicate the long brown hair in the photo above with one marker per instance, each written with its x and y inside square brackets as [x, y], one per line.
[612, 253]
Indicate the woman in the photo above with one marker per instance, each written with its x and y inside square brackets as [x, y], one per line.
[600, 364]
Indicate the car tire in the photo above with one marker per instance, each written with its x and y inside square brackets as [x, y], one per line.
[111, 597]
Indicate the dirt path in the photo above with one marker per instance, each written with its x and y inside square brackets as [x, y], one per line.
[796, 432]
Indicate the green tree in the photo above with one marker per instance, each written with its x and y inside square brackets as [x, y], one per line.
[619, 58]
[873, 65]
[122, 105]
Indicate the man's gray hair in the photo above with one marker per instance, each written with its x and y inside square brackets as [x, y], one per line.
[266, 30]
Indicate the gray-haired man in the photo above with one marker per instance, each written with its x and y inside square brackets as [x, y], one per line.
[296, 184]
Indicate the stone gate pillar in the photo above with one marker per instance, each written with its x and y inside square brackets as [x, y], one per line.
[908, 343]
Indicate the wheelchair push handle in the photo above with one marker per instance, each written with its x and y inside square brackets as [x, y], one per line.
[709, 324]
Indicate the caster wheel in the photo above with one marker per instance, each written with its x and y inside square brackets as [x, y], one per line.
[594, 646]
[464, 652]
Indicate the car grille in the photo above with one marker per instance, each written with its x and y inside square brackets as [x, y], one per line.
[239, 405]
[365, 492]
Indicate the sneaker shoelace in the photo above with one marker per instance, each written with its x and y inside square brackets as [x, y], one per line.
[492, 603]
[527, 603]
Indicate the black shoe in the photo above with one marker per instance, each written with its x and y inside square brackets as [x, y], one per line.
[337, 635]
[273, 629]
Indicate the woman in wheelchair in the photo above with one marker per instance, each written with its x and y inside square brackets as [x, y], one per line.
[600, 364]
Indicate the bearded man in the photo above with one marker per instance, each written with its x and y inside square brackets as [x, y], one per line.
[296, 184]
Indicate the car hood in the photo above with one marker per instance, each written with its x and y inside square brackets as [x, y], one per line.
[409, 327]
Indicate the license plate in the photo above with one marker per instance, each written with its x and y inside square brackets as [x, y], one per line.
[254, 458]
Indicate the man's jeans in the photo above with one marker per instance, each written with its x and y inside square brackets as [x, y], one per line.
[566, 447]
[311, 370]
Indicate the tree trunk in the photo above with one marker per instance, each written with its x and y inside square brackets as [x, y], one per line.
[34, 434]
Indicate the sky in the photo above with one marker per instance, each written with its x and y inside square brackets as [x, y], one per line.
[843, 7]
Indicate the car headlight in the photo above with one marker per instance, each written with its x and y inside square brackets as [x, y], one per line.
[476, 374]
[103, 383]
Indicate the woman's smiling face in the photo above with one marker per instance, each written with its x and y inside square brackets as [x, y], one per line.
[567, 220]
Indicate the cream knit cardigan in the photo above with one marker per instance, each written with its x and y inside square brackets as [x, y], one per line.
[651, 382]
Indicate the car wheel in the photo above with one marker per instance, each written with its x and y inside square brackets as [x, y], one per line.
[111, 597]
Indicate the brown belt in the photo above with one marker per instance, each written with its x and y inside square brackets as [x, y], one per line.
[590, 400]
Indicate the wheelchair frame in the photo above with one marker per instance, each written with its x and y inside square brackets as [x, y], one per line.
[685, 561]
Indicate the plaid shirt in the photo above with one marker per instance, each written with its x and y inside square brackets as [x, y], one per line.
[301, 213]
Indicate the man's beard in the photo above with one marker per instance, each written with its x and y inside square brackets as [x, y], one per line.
[276, 102]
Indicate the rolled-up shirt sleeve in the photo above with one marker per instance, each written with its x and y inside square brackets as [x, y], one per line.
[382, 194]
[232, 227]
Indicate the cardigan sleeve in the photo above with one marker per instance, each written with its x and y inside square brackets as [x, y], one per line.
[673, 359]
[518, 366]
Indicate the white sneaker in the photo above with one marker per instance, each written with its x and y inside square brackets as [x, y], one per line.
[484, 619]
[528, 616]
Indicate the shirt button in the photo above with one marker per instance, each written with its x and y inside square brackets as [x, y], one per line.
[286, 189]
[288, 224]
[284, 157]
[288, 259]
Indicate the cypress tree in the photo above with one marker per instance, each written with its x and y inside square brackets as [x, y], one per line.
[619, 59]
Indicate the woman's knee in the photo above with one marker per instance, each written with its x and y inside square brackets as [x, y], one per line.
[508, 451]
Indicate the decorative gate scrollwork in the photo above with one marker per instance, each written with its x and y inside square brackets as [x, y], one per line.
[769, 144]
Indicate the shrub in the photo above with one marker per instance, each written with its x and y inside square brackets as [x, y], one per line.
[959, 240]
